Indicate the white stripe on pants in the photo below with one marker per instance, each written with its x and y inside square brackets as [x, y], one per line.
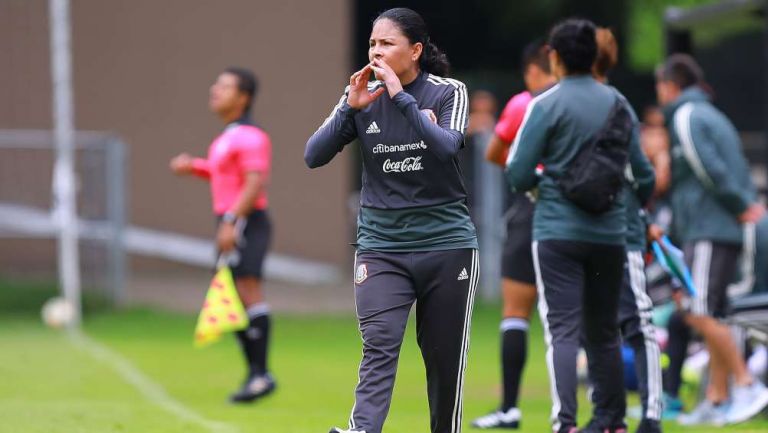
[636, 267]
[702, 260]
[543, 311]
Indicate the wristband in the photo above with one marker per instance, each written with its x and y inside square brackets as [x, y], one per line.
[229, 217]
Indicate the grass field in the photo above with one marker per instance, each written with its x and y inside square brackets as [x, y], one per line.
[137, 371]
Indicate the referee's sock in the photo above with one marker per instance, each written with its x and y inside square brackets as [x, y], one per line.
[254, 339]
[514, 347]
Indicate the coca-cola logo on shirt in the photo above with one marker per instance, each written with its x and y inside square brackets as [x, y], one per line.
[412, 163]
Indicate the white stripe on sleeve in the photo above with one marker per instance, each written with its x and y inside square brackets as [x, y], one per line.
[527, 115]
[682, 123]
[336, 108]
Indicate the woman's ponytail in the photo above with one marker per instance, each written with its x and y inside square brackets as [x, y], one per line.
[434, 61]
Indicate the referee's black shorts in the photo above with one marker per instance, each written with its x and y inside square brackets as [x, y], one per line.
[252, 249]
[517, 259]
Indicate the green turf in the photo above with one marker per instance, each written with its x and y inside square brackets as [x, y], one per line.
[49, 385]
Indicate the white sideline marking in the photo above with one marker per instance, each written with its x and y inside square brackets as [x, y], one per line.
[152, 391]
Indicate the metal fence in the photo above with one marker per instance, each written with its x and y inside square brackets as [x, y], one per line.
[27, 226]
[486, 188]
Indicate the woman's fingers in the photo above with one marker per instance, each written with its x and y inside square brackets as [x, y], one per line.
[353, 78]
[365, 73]
[380, 73]
[360, 77]
[357, 78]
[382, 70]
[359, 96]
[375, 94]
[382, 64]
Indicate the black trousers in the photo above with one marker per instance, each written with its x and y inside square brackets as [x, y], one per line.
[713, 266]
[579, 285]
[443, 285]
[635, 311]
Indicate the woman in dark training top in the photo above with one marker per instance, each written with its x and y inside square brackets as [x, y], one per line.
[415, 241]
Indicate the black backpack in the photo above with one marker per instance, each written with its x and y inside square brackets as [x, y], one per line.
[595, 176]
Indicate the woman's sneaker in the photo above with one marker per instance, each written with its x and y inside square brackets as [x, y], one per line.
[673, 407]
[647, 425]
[594, 427]
[747, 401]
[705, 413]
[509, 419]
[338, 430]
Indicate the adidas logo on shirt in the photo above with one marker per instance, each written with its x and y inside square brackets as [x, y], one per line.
[373, 128]
[463, 275]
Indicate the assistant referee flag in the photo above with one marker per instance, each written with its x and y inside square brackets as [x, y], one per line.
[222, 310]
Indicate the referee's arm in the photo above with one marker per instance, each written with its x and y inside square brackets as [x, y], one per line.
[497, 151]
[252, 186]
[527, 151]
[506, 130]
[201, 168]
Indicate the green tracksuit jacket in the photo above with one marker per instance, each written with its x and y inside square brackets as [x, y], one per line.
[711, 183]
[555, 125]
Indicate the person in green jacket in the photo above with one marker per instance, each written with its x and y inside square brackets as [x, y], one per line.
[578, 256]
[635, 306]
[712, 197]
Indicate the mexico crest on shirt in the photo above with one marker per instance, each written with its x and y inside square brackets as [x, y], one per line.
[361, 274]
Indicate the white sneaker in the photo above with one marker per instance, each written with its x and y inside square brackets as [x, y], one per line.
[747, 401]
[705, 413]
[338, 430]
[509, 419]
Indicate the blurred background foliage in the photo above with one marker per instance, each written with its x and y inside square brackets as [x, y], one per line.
[484, 39]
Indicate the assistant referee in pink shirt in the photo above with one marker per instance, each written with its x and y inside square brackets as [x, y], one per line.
[237, 167]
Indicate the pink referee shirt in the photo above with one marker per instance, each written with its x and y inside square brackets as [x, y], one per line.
[512, 117]
[237, 150]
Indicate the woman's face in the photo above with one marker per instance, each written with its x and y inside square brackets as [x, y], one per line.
[389, 44]
[224, 95]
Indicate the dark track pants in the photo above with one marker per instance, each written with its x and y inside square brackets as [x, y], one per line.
[443, 285]
[579, 285]
[635, 311]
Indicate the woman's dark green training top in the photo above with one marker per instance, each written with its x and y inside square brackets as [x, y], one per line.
[413, 196]
[556, 124]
